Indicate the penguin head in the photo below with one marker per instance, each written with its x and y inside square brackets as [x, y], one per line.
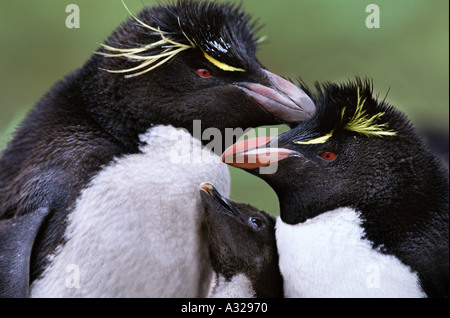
[191, 60]
[241, 241]
[355, 152]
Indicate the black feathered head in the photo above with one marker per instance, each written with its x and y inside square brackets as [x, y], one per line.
[349, 108]
[185, 61]
[354, 152]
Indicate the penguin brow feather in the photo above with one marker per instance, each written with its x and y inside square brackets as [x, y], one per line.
[318, 140]
[149, 62]
[221, 65]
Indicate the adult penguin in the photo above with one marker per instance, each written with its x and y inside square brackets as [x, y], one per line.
[92, 202]
[363, 201]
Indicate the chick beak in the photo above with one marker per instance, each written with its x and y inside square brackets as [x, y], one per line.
[281, 99]
[214, 194]
[255, 153]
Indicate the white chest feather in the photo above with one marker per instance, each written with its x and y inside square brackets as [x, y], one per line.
[327, 257]
[238, 287]
[134, 231]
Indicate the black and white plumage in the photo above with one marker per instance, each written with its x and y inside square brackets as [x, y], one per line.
[364, 203]
[242, 248]
[97, 149]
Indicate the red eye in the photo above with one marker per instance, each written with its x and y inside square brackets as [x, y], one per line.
[329, 156]
[204, 73]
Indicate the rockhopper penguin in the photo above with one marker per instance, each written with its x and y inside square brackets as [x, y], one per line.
[364, 203]
[90, 202]
[242, 248]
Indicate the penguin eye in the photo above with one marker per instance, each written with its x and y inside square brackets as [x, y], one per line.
[255, 223]
[204, 73]
[329, 156]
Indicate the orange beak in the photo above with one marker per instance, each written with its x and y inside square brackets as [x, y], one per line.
[254, 153]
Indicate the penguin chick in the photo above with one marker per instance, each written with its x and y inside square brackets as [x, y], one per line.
[363, 201]
[242, 248]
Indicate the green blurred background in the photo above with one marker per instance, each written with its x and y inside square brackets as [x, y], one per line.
[316, 40]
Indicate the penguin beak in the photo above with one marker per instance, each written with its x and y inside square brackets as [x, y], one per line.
[255, 153]
[282, 99]
[212, 193]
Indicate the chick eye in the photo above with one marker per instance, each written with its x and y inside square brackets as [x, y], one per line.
[204, 73]
[329, 156]
[255, 222]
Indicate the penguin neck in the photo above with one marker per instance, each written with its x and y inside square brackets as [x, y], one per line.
[404, 202]
[126, 127]
[295, 207]
[106, 97]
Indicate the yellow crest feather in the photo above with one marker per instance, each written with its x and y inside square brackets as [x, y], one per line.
[149, 62]
[365, 125]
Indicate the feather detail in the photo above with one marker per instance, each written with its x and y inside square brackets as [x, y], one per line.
[365, 125]
[318, 140]
[222, 66]
[149, 61]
